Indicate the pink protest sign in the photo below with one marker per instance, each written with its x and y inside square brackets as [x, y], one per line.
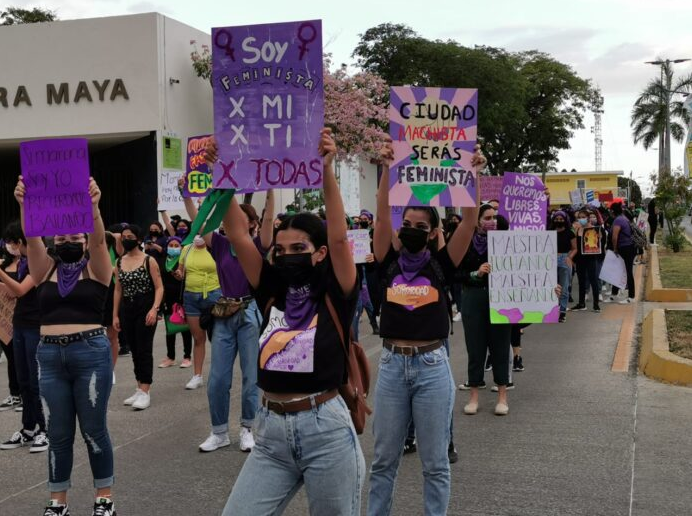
[56, 176]
[491, 188]
[434, 134]
[268, 105]
[197, 175]
[523, 202]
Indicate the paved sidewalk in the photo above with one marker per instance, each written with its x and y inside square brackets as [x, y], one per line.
[579, 440]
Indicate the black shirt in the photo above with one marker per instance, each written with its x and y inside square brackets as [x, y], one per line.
[471, 263]
[303, 360]
[564, 240]
[26, 314]
[416, 310]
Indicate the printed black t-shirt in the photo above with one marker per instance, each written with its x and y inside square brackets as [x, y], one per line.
[416, 309]
[306, 360]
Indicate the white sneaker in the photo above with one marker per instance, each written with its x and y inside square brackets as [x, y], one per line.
[457, 317]
[113, 377]
[247, 441]
[133, 398]
[625, 301]
[195, 382]
[600, 297]
[143, 401]
[214, 442]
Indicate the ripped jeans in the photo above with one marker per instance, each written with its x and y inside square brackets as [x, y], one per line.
[76, 380]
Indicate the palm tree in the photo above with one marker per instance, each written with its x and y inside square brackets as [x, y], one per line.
[652, 109]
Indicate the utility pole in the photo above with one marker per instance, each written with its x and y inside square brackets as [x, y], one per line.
[597, 108]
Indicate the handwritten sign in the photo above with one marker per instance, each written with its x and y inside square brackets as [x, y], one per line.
[56, 176]
[268, 105]
[434, 133]
[169, 194]
[523, 202]
[575, 197]
[397, 217]
[197, 174]
[521, 285]
[6, 312]
[359, 241]
[491, 188]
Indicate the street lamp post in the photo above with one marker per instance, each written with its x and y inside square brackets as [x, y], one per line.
[665, 99]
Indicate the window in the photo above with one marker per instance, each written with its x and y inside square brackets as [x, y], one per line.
[581, 183]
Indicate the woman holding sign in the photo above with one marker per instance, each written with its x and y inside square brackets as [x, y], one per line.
[74, 353]
[304, 431]
[415, 381]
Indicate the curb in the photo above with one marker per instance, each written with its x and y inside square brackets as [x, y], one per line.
[655, 359]
[654, 288]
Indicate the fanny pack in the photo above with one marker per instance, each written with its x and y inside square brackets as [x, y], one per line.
[227, 306]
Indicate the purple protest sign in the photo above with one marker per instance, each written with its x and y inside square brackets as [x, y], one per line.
[397, 217]
[197, 175]
[433, 133]
[268, 105]
[523, 202]
[491, 187]
[56, 177]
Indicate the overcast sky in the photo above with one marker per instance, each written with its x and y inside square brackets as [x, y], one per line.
[604, 40]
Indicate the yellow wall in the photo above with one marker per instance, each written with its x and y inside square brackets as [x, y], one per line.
[561, 184]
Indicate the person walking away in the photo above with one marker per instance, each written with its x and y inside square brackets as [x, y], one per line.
[623, 246]
[566, 251]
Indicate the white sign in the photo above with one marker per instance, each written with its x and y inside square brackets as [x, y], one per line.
[613, 270]
[523, 276]
[359, 241]
[169, 195]
[575, 197]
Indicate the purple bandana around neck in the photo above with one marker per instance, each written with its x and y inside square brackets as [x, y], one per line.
[411, 264]
[68, 276]
[480, 242]
[22, 268]
[300, 307]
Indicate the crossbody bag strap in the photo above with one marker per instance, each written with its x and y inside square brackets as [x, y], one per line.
[337, 322]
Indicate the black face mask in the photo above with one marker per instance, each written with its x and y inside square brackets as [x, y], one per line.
[154, 234]
[70, 252]
[413, 239]
[129, 244]
[295, 269]
[559, 224]
[364, 224]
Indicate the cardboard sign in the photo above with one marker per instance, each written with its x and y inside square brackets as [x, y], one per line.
[576, 198]
[523, 202]
[591, 241]
[197, 174]
[613, 270]
[268, 105]
[169, 194]
[433, 132]
[521, 285]
[6, 312]
[397, 217]
[491, 187]
[172, 153]
[56, 176]
[359, 241]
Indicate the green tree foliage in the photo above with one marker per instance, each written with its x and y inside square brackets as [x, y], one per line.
[17, 15]
[635, 191]
[529, 103]
[673, 195]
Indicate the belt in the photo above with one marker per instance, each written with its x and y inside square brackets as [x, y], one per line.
[410, 351]
[246, 300]
[284, 407]
[64, 340]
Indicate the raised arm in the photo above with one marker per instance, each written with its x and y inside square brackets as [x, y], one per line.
[99, 257]
[37, 254]
[383, 234]
[267, 229]
[167, 222]
[459, 243]
[339, 250]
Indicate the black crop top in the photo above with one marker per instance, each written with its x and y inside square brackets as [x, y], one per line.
[26, 310]
[416, 310]
[84, 305]
[306, 360]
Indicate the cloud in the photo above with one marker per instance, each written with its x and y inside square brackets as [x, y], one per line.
[148, 7]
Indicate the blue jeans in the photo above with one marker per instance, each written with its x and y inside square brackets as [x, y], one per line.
[238, 334]
[195, 303]
[25, 342]
[419, 388]
[564, 278]
[76, 380]
[318, 448]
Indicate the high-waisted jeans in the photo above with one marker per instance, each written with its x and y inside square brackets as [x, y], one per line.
[76, 380]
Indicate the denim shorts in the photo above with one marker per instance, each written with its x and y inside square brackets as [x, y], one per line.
[195, 304]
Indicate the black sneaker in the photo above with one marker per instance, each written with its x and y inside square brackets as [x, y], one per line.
[597, 309]
[10, 402]
[578, 308]
[376, 330]
[466, 387]
[40, 443]
[488, 364]
[103, 507]
[510, 387]
[17, 440]
[563, 317]
[124, 351]
[410, 446]
[452, 453]
[56, 509]
[518, 364]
